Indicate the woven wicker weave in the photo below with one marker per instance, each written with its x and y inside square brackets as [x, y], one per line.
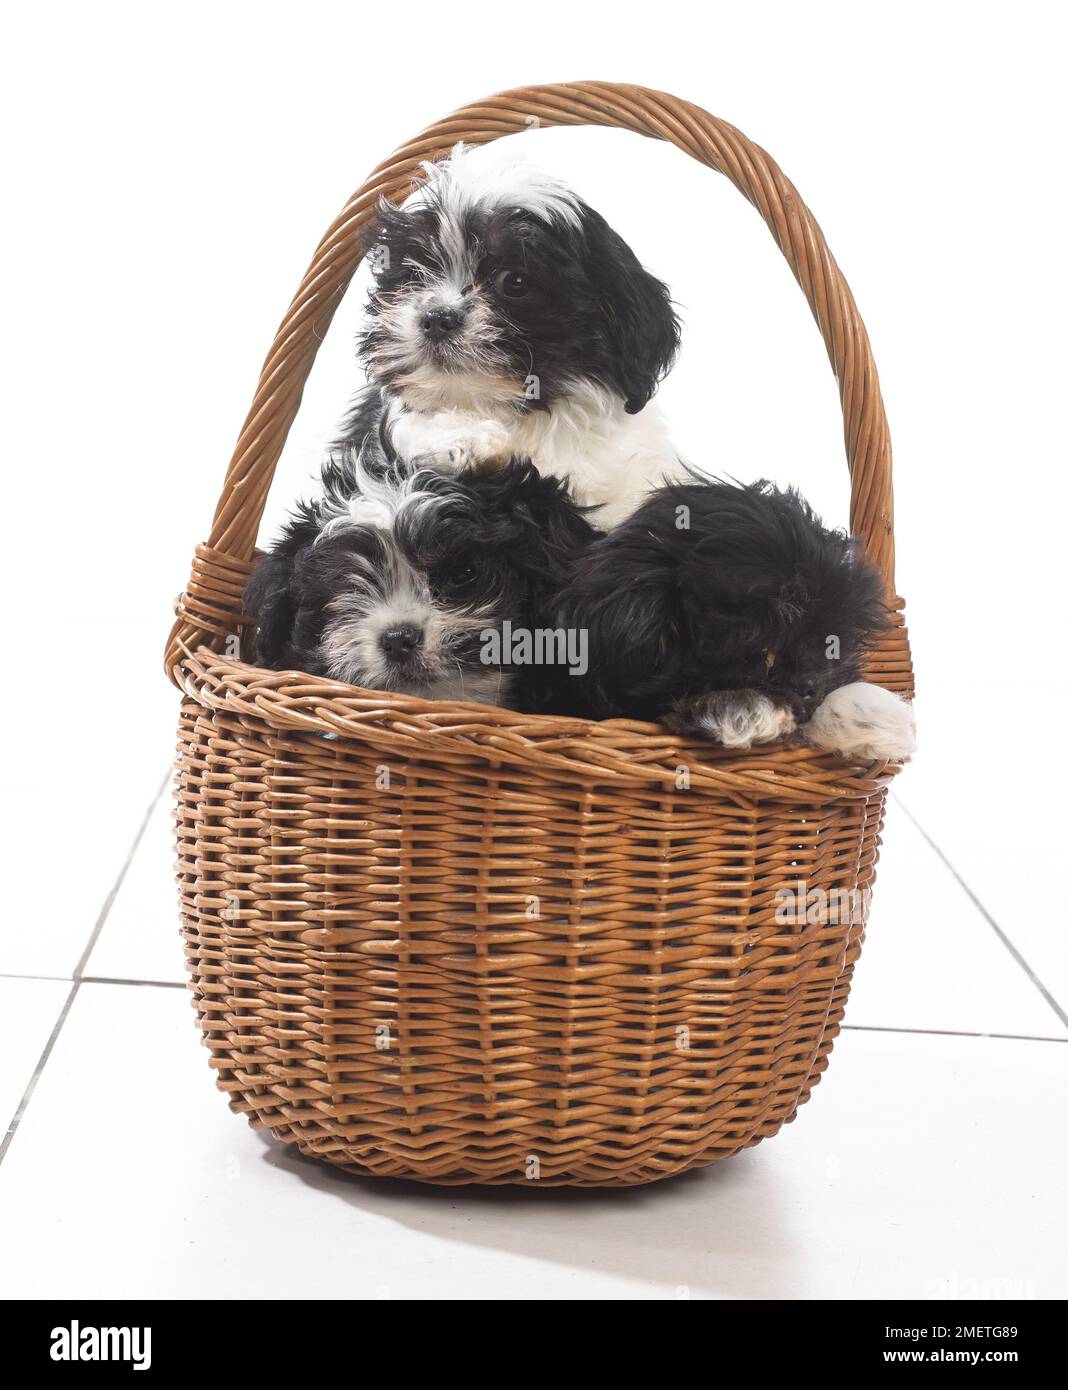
[461, 944]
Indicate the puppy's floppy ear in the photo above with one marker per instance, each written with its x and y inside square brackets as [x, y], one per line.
[270, 594]
[622, 591]
[561, 525]
[642, 326]
[548, 526]
[532, 520]
[269, 602]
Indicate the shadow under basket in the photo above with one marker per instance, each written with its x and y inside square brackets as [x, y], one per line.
[458, 944]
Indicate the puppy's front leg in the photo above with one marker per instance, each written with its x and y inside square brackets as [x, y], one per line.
[449, 440]
[734, 718]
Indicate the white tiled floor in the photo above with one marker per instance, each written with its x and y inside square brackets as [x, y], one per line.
[137, 940]
[925, 1165]
[928, 1163]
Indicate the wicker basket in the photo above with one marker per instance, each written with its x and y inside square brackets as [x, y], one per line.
[460, 944]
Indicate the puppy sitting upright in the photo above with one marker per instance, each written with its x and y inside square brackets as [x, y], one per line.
[508, 319]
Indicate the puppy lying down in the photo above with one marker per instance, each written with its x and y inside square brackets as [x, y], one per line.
[725, 611]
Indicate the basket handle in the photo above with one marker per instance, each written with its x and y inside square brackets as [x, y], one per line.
[210, 608]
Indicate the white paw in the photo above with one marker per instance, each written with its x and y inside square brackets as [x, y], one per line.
[866, 722]
[488, 442]
[739, 721]
[480, 441]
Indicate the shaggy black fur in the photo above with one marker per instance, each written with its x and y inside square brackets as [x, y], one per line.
[713, 587]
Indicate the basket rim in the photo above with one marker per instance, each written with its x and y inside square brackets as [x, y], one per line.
[617, 751]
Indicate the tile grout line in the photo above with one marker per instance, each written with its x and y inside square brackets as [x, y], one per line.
[146, 984]
[20, 975]
[987, 917]
[93, 980]
[846, 1027]
[31, 1085]
[950, 1033]
[76, 979]
[94, 935]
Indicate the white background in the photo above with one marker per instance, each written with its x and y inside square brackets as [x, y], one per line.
[168, 172]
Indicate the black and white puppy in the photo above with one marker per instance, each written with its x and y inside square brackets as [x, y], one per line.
[403, 585]
[733, 613]
[507, 318]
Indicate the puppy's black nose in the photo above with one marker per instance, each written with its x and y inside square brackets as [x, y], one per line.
[439, 323]
[399, 643]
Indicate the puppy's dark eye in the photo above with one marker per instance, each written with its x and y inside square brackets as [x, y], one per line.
[453, 583]
[513, 284]
[393, 276]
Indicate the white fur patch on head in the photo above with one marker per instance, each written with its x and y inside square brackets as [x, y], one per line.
[864, 721]
[370, 511]
[374, 498]
[495, 176]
